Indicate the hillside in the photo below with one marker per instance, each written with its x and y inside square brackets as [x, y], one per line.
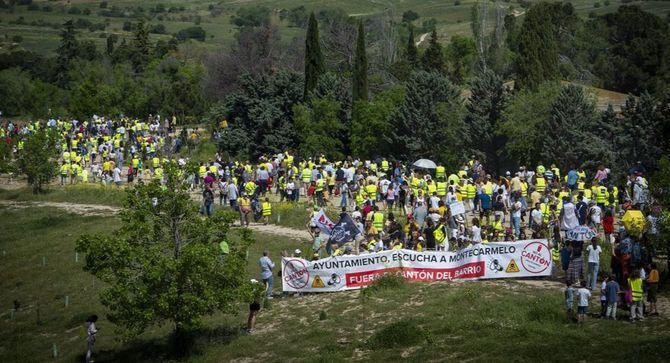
[519, 320]
[35, 27]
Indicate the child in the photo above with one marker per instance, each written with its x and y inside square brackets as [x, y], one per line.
[652, 280]
[635, 286]
[584, 295]
[603, 296]
[608, 225]
[569, 298]
[612, 291]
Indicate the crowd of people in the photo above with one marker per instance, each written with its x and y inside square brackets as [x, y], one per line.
[394, 204]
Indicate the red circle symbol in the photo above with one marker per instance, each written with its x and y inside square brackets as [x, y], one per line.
[296, 274]
[535, 257]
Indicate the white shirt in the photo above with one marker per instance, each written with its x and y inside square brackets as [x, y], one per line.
[569, 220]
[476, 234]
[595, 214]
[434, 202]
[516, 211]
[537, 216]
[594, 253]
[117, 175]
[584, 296]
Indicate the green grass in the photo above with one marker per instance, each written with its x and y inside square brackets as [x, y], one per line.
[451, 19]
[482, 321]
[80, 193]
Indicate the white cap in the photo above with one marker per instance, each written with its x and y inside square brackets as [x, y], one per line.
[297, 251]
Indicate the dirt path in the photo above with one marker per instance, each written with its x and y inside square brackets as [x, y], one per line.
[421, 39]
[100, 210]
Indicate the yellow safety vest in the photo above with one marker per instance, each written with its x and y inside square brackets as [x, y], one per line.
[555, 255]
[371, 189]
[378, 221]
[471, 191]
[601, 195]
[320, 183]
[546, 212]
[441, 189]
[431, 188]
[306, 175]
[454, 178]
[636, 287]
[488, 188]
[267, 209]
[540, 184]
[524, 188]
[385, 165]
[202, 170]
[440, 172]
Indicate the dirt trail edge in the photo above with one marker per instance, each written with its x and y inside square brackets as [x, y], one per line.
[99, 210]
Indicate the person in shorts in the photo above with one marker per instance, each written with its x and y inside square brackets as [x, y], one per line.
[257, 293]
[583, 294]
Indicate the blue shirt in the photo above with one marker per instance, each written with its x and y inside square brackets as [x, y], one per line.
[486, 201]
[612, 291]
[572, 177]
[266, 267]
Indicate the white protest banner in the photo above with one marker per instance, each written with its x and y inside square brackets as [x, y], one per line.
[528, 258]
[581, 233]
[321, 220]
[457, 208]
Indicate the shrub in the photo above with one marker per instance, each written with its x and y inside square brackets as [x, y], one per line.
[387, 281]
[399, 334]
[596, 5]
[607, 2]
[194, 32]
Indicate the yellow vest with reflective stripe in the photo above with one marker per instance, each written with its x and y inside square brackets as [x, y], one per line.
[540, 184]
[202, 170]
[441, 189]
[636, 287]
[440, 171]
[471, 191]
[267, 209]
[385, 165]
[378, 221]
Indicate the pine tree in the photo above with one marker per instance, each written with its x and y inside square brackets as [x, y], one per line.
[141, 47]
[485, 108]
[314, 65]
[428, 123]
[641, 127]
[412, 52]
[67, 51]
[433, 59]
[572, 134]
[360, 79]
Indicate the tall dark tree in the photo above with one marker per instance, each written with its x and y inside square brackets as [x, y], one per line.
[360, 79]
[485, 108]
[428, 123]
[572, 134]
[67, 51]
[640, 127]
[141, 47]
[544, 34]
[433, 59]
[314, 65]
[412, 52]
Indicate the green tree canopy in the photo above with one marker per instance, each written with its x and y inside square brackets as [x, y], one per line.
[164, 264]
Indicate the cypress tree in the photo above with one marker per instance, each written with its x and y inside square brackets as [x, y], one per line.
[67, 51]
[141, 47]
[412, 52]
[433, 60]
[314, 65]
[537, 56]
[360, 80]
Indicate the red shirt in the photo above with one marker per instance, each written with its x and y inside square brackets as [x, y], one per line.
[608, 225]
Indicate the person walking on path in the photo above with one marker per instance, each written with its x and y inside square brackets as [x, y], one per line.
[91, 331]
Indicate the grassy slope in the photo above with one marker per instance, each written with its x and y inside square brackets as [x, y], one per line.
[452, 19]
[476, 320]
